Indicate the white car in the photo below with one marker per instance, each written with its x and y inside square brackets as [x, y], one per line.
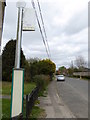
[60, 78]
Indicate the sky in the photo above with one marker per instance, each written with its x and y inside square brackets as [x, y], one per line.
[66, 24]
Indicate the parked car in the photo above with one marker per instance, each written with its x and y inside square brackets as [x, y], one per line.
[60, 78]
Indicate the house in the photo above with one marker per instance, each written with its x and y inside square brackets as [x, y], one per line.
[84, 73]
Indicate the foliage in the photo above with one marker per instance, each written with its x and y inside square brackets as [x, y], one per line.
[6, 108]
[46, 67]
[27, 72]
[8, 59]
[57, 72]
[37, 113]
[32, 66]
[75, 69]
[42, 81]
[63, 70]
[70, 71]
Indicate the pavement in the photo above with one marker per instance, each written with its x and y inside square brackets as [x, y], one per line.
[53, 104]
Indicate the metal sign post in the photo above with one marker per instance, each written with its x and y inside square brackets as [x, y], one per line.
[20, 6]
[24, 24]
[18, 74]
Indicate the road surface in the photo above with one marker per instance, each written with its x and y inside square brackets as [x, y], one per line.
[74, 93]
[68, 99]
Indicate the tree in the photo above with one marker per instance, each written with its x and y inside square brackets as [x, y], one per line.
[63, 70]
[80, 63]
[46, 67]
[27, 71]
[71, 69]
[8, 60]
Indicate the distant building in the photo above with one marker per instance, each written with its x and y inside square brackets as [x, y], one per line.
[85, 72]
[2, 8]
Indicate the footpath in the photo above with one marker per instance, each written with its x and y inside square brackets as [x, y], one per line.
[53, 104]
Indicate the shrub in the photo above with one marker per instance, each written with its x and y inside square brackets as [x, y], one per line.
[42, 81]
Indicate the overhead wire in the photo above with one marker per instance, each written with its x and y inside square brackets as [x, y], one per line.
[33, 4]
[43, 26]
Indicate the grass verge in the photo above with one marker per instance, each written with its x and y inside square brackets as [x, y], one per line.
[28, 87]
[6, 88]
[37, 112]
[6, 108]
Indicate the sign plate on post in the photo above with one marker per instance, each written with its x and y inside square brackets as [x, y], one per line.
[17, 92]
[28, 20]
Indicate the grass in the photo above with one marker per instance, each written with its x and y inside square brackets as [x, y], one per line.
[6, 108]
[37, 113]
[28, 87]
[6, 88]
[44, 92]
[0, 107]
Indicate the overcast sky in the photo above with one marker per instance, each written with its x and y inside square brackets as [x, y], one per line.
[66, 23]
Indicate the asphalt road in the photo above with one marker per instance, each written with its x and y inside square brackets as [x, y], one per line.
[74, 93]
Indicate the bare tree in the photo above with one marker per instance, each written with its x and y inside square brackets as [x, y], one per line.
[71, 64]
[80, 62]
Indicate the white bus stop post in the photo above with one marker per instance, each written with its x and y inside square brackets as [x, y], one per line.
[18, 74]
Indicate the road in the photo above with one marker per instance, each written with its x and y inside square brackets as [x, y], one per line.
[68, 99]
[74, 93]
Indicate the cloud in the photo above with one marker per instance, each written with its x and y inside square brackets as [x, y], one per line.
[77, 23]
[66, 27]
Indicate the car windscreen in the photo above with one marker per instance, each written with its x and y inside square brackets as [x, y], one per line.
[60, 76]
